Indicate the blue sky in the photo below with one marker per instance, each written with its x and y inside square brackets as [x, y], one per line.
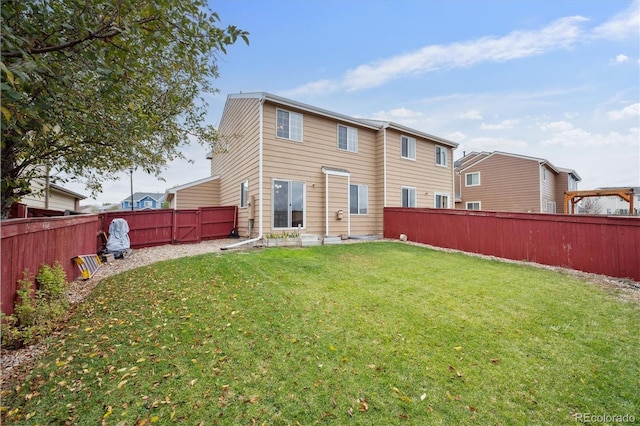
[558, 80]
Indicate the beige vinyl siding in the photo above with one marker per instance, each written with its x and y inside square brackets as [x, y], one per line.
[547, 188]
[303, 162]
[57, 200]
[562, 185]
[507, 183]
[421, 173]
[338, 200]
[240, 131]
[203, 195]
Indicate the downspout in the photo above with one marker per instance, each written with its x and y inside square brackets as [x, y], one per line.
[326, 204]
[47, 187]
[260, 182]
[384, 163]
[349, 205]
[453, 179]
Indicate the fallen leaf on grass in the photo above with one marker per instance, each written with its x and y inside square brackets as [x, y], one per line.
[363, 404]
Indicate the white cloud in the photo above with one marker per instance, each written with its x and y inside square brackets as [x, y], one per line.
[319, 87]
[472, 115]
[400, 115]
[580, 137]
[505, 124]
[623, 25]
[629, 111]
[622, 58]
[559, 34]
[556, 126]
[456, 136]
[494, 144]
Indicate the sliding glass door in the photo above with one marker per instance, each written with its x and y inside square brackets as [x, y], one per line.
[288, 204]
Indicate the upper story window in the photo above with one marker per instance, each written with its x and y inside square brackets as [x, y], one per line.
[472, 179]
[347, 138]
[408, 197]
[408, 147]
[289, 125]
[573, 184]
[441, 156]
[244, 190]
[358, 199]
[148, 203]
[544, 173]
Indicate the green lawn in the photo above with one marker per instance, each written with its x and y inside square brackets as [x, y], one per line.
[373, 333]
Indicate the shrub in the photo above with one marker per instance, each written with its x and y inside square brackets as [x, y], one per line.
[37, 313]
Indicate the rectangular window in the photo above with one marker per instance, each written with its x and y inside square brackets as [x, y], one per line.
[472, 179]
[288, 204]
[289, 125]
[408, 147]
[244, 190]
[544, 173]
[441, 201]
[441, 156]
[408, 197]
[473, 205]
[347, 138]
[148, 203]
[358, 199]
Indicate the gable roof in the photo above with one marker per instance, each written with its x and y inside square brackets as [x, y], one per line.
[57, 188]
[463, 165]
[137, 196]
[370, 124]
[171, 192]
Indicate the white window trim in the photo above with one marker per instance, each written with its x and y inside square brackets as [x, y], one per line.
[479, 203]
[473, 184]
[291, 113]
[441, 194]
[349, 130]
[415, 195]
[446, 156]
[304, 204]
[415, 149]
[244, 190]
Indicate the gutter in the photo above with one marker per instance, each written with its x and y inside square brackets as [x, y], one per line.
[260, 181]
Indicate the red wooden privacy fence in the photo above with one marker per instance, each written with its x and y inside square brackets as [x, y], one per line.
[29, 243]
[608, 245]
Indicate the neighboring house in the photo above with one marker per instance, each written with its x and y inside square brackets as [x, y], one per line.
[501, 181]
[54, 198]
[200, 193]
[614, 205]
[143, 200]
[292, 167]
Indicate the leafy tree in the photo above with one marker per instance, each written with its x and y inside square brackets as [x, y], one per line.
[96, 86]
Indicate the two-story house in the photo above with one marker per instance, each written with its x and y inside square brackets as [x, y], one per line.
[502, 181]
[143, 200]
[291, 166]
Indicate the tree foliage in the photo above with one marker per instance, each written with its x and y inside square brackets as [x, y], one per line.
[97, 86]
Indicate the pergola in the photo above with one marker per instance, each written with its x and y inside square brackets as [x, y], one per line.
[576, 196]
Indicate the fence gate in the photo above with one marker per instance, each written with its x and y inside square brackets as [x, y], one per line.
[186, 227]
